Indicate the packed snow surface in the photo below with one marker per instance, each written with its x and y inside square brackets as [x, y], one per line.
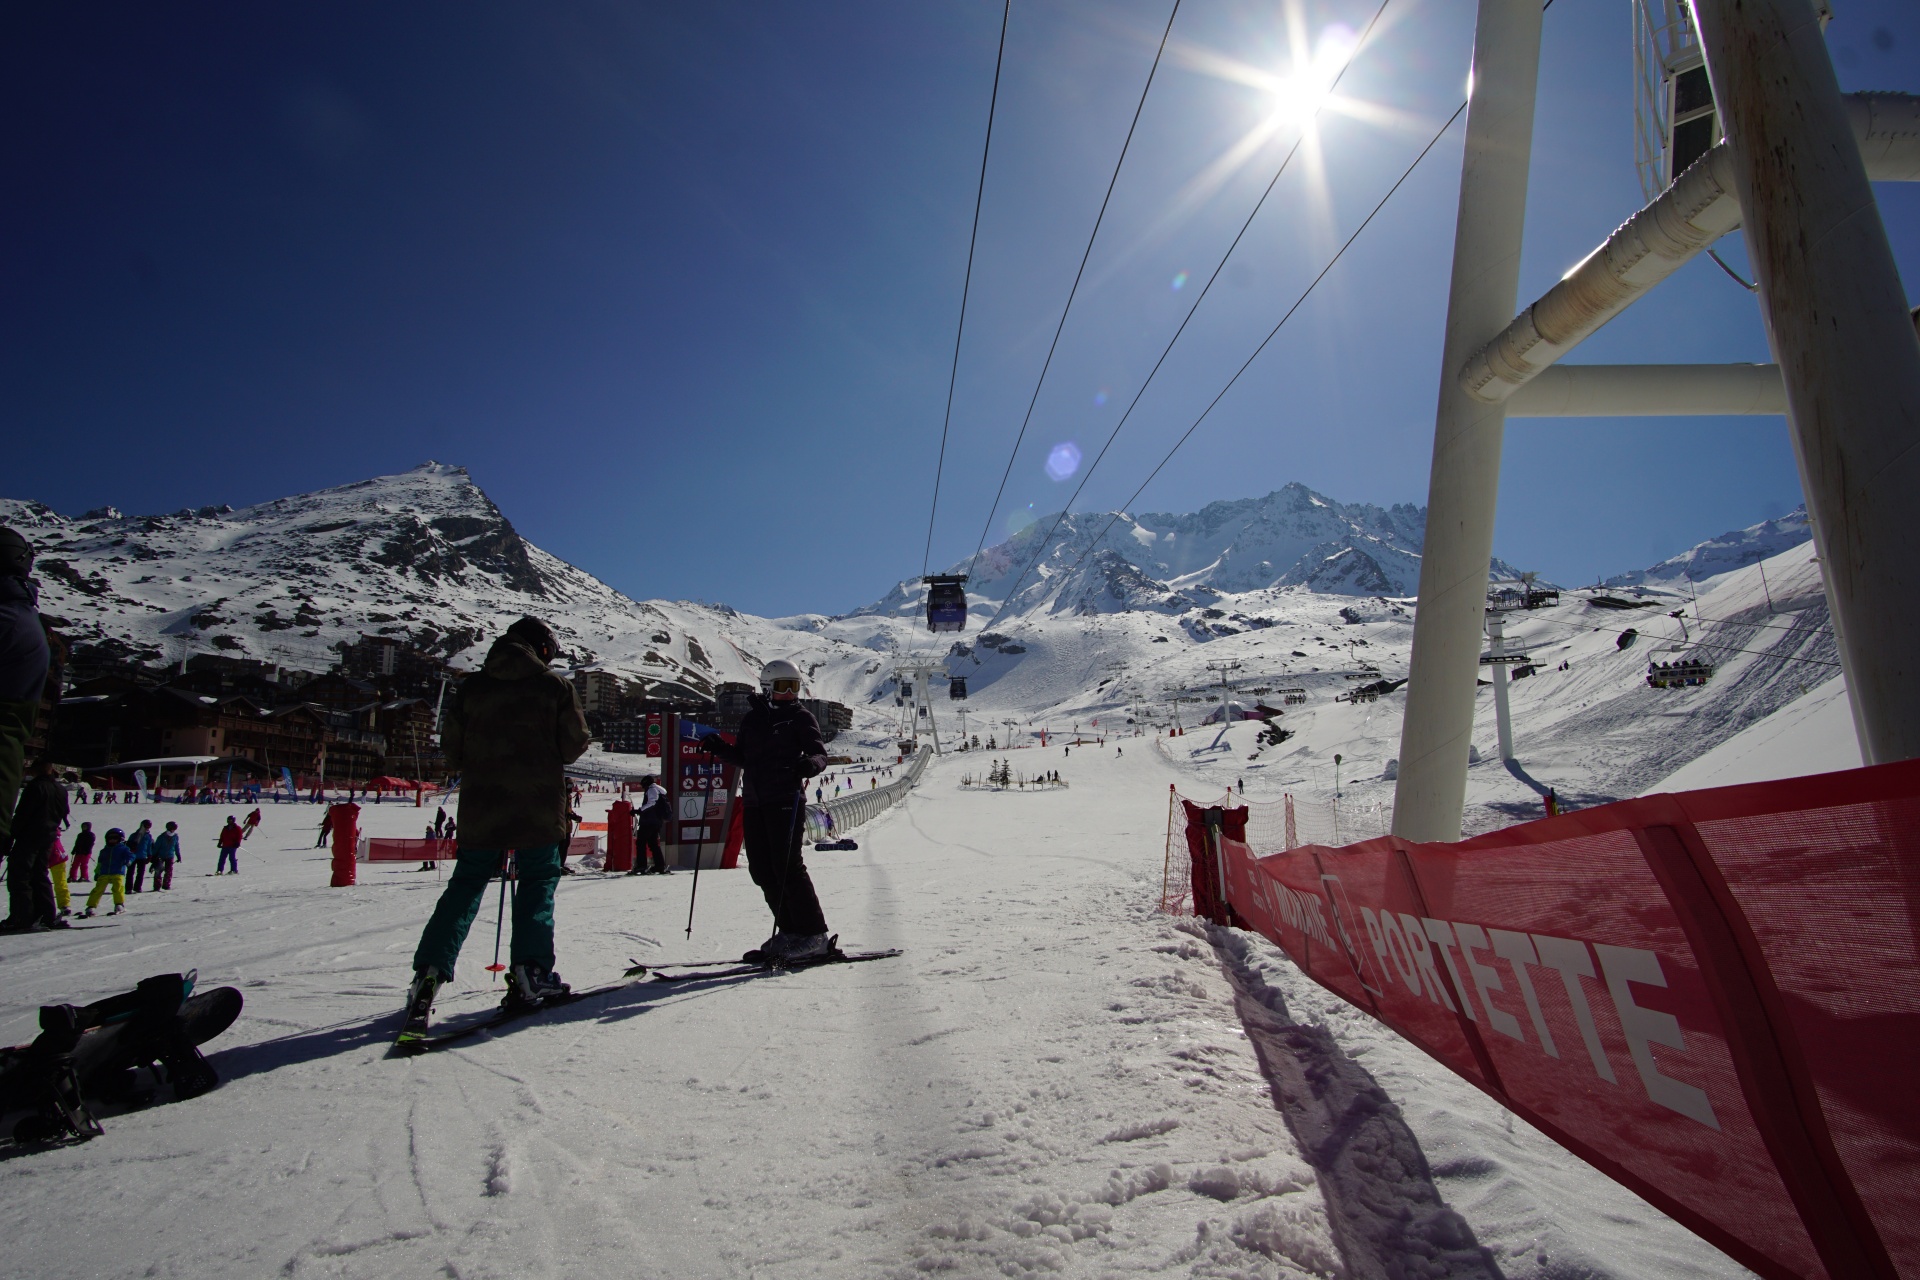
[1812, 734]
[1053, 1079]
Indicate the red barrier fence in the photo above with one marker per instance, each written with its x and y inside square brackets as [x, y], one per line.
[1713, 997]
[384, 849]
[420, 849]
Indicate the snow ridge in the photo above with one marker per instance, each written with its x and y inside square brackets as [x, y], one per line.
[1732, 550]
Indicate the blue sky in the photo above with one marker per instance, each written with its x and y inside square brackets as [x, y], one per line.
[678, 283]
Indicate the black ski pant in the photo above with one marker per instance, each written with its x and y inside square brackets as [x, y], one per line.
[29, 883]
[773, 833]
[655, 858]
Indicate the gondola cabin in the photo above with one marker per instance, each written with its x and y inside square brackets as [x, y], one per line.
[957, 688]
[946, 601]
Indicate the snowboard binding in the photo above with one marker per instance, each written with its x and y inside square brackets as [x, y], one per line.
[97, 1050]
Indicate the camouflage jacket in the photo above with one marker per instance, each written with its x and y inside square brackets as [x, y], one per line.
[511, 730]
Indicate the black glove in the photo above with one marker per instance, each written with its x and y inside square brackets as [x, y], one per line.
[712, 740]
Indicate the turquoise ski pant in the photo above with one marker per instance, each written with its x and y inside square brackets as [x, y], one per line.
[537, 872]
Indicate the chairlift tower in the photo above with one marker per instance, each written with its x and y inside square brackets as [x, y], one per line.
[1225, 671]
[916, 686]
[1774, 148]
[1496, 658]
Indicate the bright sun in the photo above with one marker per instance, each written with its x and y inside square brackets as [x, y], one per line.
[1299, 94]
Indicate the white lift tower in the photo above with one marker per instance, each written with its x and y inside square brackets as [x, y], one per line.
[1784, 155]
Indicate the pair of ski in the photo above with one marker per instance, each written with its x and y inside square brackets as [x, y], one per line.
[415, 1038]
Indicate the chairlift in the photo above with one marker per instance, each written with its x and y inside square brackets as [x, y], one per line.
[957, 688]
[946, 601]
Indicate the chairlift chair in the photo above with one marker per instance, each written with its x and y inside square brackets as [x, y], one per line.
[946, 601]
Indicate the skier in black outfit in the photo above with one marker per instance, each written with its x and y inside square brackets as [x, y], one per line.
[38, 819]
[651, 859]
[779, 747]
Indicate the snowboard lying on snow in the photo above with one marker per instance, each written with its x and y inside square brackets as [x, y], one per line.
[96, 1051]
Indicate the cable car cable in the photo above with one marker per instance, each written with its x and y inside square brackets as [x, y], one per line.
[1211, 279]
[1274, 332]
[966, 285]
[1074, 292]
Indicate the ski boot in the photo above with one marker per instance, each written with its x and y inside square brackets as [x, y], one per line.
[805, 948]
[426, 984]
[532, 986]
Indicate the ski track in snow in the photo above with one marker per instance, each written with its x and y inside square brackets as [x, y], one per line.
[1053, 1079]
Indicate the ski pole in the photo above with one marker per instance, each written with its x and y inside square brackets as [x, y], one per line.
[500, 917]
[695, 895]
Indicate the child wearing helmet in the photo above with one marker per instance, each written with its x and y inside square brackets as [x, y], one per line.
[778, 747]
[115, 858]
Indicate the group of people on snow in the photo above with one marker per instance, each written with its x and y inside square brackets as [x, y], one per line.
[34, 805]
[510, 731]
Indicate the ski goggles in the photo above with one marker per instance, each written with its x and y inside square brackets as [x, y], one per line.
[783, 687]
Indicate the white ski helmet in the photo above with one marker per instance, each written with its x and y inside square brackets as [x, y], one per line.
[780, 680]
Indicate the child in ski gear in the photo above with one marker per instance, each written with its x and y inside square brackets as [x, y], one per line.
[510, 731]
[36, 823]
[115, 857]
[230, 838]
[82, 868]
[779, 747]
[57, 868]
[166, 852]
[141, 842]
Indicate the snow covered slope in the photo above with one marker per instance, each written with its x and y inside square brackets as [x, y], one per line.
[1053, 1080]
[1812, 734]
[1734, 550]
[423, 555]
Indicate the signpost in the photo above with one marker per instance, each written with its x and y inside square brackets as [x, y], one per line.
[700, 791]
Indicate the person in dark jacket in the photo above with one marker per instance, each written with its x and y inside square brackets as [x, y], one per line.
[82, 854]
[648, 823]
[779, 747]
[166, 852]
[24, 662]
[41, 814]
[510, 731]
[141, 842]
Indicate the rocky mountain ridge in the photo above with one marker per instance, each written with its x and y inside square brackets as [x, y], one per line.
[1103, 562]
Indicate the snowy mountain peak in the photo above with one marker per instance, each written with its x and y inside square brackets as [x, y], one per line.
[1168, 562]
[424, 556]
[1732, 550]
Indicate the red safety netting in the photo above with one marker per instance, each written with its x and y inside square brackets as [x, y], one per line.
[419, 849]
[1709, 996]
[404, 850]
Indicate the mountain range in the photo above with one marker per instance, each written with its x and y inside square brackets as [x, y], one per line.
[427, 557]
[1735, 549]
[1116, 562]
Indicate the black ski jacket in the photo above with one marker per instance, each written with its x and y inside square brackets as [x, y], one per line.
[512, 728]
[778, 745]
[23, 644]
[43, 807]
